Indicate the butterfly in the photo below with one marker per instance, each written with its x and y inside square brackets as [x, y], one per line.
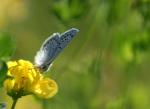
[52, 47]
[2, 105]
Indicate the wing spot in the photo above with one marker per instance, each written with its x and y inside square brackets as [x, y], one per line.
[59, 47]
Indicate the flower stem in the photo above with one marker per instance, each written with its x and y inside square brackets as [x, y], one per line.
[14, 103]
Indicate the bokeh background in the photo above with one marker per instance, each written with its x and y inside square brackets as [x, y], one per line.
[105, 67]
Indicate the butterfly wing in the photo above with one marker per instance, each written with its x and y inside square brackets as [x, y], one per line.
[67, 36]
[51, 48]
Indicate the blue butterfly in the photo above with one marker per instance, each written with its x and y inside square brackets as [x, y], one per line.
[2, 105]
[52, 47]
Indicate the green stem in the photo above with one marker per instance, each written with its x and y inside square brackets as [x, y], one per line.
[14, 103]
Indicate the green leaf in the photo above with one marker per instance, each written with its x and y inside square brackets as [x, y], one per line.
[7, 46]
[3, 72]
[69, 10]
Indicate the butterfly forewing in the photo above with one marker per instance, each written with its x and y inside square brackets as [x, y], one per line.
[51, 48]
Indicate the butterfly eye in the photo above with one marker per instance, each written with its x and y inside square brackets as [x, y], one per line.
[43, 67]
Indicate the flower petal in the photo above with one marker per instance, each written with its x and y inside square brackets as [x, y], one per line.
[46, 88]
[11, 64]
[9, 84]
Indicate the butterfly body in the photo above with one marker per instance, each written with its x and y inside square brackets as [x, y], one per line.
[52, 47]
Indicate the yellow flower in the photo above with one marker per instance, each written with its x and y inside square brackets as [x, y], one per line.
[26, 79]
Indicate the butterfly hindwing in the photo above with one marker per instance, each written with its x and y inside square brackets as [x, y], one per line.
[45, 54]
[51, 48]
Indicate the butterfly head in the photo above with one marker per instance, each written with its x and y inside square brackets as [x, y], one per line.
[44, 67]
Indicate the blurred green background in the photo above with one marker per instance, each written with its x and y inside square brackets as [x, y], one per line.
[105, 67]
